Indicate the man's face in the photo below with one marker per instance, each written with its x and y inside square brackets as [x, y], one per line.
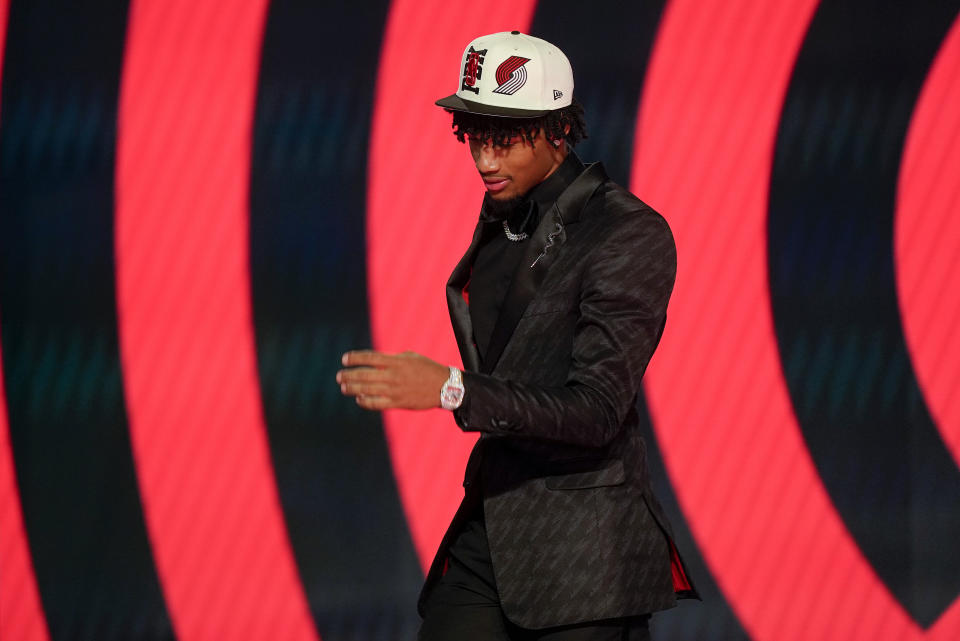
[510, 171]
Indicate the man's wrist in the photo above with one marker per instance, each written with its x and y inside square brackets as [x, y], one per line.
[452, 392]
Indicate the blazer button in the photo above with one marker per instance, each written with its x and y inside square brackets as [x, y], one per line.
[502, 424]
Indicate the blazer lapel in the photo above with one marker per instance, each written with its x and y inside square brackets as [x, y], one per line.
[457, 290]
[541, 252]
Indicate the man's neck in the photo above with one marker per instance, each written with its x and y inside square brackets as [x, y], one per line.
[549, 189]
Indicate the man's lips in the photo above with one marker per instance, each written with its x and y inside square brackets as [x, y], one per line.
[495, 184]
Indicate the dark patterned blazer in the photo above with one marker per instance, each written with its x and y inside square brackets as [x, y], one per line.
[575, 532]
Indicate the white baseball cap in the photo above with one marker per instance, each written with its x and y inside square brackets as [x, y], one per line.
[511, 74]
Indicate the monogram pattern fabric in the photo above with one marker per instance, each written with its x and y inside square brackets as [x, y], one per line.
[575, 532]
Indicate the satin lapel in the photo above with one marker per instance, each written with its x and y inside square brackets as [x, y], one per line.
[544, 245]
[459, 313]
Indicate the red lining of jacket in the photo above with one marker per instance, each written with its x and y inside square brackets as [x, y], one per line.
[680, 581]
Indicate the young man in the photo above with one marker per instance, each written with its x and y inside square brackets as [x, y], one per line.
[557, 307]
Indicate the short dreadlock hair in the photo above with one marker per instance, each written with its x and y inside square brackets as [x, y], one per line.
[500, 130]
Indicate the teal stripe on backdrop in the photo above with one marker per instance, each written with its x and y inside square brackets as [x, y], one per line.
[833, 289]
[308, 205]
[68, 421]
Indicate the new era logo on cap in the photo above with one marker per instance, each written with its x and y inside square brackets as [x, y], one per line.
[530, 77]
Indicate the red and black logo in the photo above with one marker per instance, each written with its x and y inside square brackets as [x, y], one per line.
[511, 75]
[473, 69]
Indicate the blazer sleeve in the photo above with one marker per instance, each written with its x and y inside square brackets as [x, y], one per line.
[623, 303]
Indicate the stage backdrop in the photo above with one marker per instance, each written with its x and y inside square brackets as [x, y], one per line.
[203, 203]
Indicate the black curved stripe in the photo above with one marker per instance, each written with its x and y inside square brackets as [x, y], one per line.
[68, 422]
[832, 205]
[308, 206]
[609, 45]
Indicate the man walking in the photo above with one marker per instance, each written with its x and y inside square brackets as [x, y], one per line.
[557, 306]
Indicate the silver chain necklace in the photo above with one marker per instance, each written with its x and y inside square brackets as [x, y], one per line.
[514, 237]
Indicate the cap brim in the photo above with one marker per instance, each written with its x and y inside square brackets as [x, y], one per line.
[456, 103]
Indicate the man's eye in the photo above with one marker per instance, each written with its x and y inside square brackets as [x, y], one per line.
[474, 140]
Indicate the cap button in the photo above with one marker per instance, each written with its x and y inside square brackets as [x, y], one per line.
[515, 33]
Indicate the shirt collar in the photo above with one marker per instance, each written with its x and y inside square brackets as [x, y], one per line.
[547, 192]
[542, 197]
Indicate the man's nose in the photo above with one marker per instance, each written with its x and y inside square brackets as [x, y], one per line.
[488, 159]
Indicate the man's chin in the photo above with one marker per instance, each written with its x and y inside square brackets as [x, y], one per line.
[502, 206]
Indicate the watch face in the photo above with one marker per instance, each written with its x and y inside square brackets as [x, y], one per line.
[452, 396]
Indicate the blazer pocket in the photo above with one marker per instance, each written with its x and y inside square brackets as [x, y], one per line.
[543, 311]
[582, 474]
[556, 304]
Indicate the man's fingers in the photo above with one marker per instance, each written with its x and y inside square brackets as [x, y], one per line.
[367, 357]
[359, 389]
[381, 381]
[374, 402]
[362, 375]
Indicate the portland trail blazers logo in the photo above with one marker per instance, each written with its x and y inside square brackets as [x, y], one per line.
[511, 75]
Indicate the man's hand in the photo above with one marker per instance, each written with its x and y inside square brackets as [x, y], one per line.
[387, 381]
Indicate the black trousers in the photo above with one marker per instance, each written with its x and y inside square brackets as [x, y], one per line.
[465, 606]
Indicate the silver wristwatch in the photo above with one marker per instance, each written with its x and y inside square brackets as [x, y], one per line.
[451, 394]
